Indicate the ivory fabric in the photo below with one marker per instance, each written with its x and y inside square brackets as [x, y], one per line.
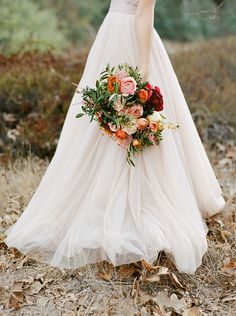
[91, 205]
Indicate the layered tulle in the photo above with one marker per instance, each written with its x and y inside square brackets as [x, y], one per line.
[91, 205]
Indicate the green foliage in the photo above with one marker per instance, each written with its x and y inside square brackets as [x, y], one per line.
[23, 26]
[227, 23]
[79, 19]
[182, 20]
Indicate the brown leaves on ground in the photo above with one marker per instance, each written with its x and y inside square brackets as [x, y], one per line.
[138, 289]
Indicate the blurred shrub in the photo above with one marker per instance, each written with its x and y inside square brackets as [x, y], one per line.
[34, 97]
[36, 90]
[27, 25]
[208, 78]
[174, 19]
[24, 27]
[79, 19]
[190, 20]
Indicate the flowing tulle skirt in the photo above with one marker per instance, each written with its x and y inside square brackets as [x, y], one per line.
[91, 205]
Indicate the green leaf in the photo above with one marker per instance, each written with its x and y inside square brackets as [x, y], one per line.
[79, 115]
[163, 116]
[143, 85]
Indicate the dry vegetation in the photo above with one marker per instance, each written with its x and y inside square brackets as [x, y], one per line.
[31, 288]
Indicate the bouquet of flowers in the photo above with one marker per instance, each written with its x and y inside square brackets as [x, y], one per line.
[126, 108]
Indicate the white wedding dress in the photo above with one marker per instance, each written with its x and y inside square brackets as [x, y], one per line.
[91, 205]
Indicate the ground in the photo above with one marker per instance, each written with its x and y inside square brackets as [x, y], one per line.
[31, 288]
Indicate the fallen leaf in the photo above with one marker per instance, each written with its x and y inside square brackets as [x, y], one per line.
[14, 303]
[176, 281]
[17, 287]
[19, 296]
[229, 264]
[154, 278]
[194, 311]
[30, 300]
[127, 271]
[34, 288]
[149, 267]
[157, 311]
[42, 301]
[163, 271]
[23, 261]
[30, 280]
[106, 276]
[4, 296]
[162, 299]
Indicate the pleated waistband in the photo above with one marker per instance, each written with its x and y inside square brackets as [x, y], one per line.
[122, 8]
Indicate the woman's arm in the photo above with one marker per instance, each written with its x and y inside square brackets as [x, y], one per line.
[144, 21]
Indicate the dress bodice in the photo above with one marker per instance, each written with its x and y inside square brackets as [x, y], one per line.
[123, 6]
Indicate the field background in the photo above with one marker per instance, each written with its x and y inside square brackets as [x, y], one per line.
[43, 49]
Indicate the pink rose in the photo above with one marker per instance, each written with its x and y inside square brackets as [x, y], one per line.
[127, 86]
[125, 142]
[153, 126]
[136, 110]
[142, 123]
[121, 74]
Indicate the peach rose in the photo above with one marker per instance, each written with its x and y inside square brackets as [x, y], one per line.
[136, 110]
[153, 126]
[142, 123]
[136, 143]
[125, 142]
[127, 86]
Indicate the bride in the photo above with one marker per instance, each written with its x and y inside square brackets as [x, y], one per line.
[91, 205]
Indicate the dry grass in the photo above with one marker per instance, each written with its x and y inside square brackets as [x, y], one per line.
[31, 288]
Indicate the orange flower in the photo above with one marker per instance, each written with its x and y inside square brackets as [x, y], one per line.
[111, 80]
[120, 134]
[136, 143]
[143, 95]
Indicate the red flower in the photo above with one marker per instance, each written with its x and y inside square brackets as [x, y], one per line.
[149, 86]
[149, 89]
[157, 89]
[156, 100]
